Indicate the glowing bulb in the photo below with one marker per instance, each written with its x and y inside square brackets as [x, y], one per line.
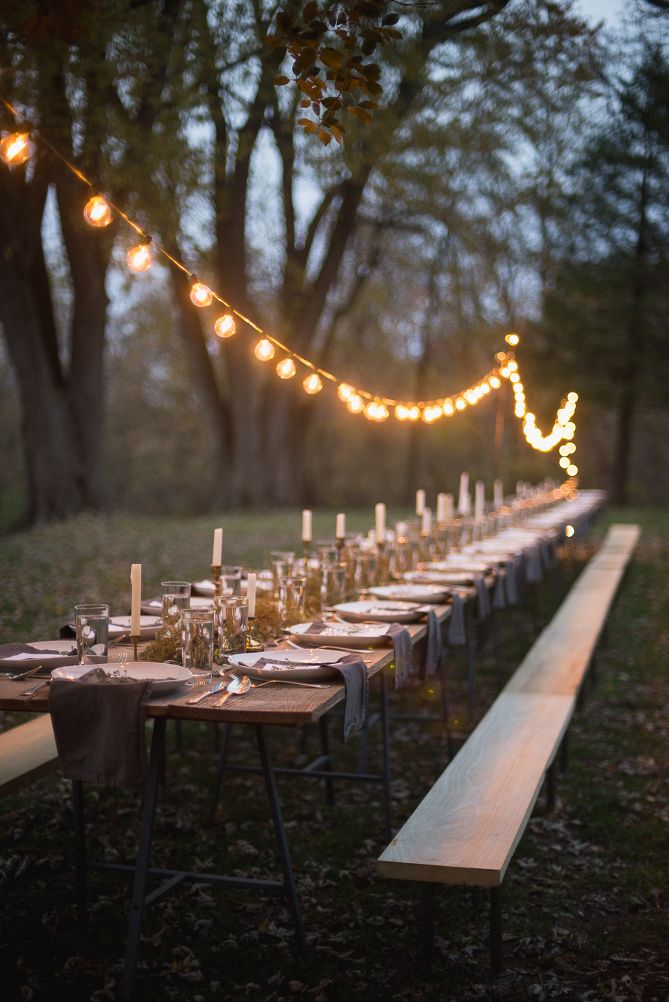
[460, 404]
[200, 294]
[225, 325]
[512, 339]
[414, 412]
[448, 407]
[565, 461]
[401, 412]
[512, 366]
[14, 149]
[564, 450]
[97, 211]
[572, 470]
[569, 531]
[572, 397]
[345, 392]
[312, 384]
[376, 411]
[285, 369]
[355, 404]
[494, 382]
[139, 258]
[514, 377]
[505, 371]
[264, 350]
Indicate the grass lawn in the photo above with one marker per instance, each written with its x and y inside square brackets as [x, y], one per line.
[585, 898]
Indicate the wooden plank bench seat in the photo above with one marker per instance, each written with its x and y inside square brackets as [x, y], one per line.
[467, 827]
[27, 752]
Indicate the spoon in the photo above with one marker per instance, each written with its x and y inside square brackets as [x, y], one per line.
[235, 687]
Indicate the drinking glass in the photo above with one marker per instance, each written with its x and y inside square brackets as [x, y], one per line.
[176, 598]
[197, 640]
[91, 624]
[333, 585]
[231, 579]
[290, 599]
[364, 571]
[231, 615]
[281, 569]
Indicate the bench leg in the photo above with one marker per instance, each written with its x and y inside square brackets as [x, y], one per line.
[496, 931]
[427, 923]
[80, 875]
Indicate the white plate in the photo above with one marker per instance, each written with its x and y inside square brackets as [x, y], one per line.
[342, 634]
[148, 625]
[63, 657]
[472, 565]
[383, 612]
[306, 665]
[411, 592]
[163, 678]
[439, 577]
[155, 606]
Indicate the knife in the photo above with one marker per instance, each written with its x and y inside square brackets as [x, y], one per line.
[210, 692]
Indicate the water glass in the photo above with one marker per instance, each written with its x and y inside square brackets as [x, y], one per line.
[231, 615]
[333, 585]
[231, 580]
[290, 599]
[176, 598]
[197, 640]
[91, 624]
[364, 571]
[281, 569]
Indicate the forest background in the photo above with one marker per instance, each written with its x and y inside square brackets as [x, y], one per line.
[512, 176]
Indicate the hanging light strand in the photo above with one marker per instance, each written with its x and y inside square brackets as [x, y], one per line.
[15, 150]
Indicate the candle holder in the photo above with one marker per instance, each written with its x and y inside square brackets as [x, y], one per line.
[134, 640]
[306, 548]
[339, 543]
[216, 575]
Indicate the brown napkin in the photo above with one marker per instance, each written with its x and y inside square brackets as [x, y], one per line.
[98, 723]
[353, 670]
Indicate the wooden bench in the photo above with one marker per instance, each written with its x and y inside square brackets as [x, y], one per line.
[466, 829]
[27, 752]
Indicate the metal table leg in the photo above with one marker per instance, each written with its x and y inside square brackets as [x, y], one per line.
[220, 769]
[325, 752]
[143, 858]
[80, 865]
[385, 765]
[281, 840]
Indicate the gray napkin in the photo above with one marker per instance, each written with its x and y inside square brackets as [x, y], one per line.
[512, 582]
[433, 645]
[98, 724]
[402, 649]
[353, 670]
[11, 650]
[456, 626]
[483, 604]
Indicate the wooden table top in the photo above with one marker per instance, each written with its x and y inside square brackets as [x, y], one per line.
[287, 705]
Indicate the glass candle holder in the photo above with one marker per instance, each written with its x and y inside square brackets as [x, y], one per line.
[231, 620]
[290, 599]
[91, 626]
[197, 640]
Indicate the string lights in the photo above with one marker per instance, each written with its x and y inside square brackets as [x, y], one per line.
[99, 212]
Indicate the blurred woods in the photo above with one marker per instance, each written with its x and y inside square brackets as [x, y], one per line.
[506, 180]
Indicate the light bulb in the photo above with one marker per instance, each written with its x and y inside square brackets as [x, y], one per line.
[355, 404]
[97, 211]
[402, 412]
[448, 407]
[414, 412]
[139, 258]
[264, 350]
[569, 531]
[573, 397]
[565, 461]
[572, 470]
[312, 384]
[285, 369]
[225, 325]
[345, 392]
[460, 404]
[200, 294]
[494, 382]
[15, 149]
[512, 339]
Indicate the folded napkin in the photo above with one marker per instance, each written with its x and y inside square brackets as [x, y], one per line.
[402, 648]
[483, 604]
[98, 723]
[13, 650]
[456, 626]
[433, 645]
[353, 670]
